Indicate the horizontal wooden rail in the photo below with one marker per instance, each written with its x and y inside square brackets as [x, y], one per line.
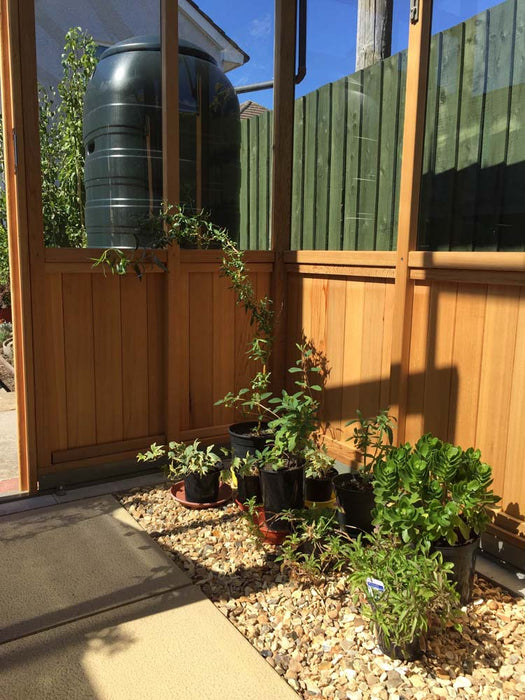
[357, 258]
[469, 276]
[341, 271]
[500, 261]
[82, 255]
[104, 450]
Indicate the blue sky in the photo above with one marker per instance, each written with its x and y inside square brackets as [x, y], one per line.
[330, 39]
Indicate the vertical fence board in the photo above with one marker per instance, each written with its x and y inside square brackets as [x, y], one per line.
[499, 342]
[134, 319]
[298, 174]
[415, 425]
[353, 153]
[79, 355]
[335, 352]
[253, 179]
[244, 196]
[372, 339]
[336, 193]
[310, 171]
[223, 347]
[354, 314]
[322, 183]
[466, 363]
[438, 364]
[263, 125]
[108, 358]
[368, 172]
[495, 124]
[469, 133]
[201, 349]
[156, 309]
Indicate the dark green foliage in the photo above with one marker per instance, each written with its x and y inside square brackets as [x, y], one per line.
[416, 587]
[434, 491]
[373, 438]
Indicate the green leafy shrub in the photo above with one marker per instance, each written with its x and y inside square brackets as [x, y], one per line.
[434, 491]
[415, 582]
[373, 438]
[183, 459]
[319, 464]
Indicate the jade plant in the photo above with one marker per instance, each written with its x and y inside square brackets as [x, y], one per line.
[401, 588]
[433, 491]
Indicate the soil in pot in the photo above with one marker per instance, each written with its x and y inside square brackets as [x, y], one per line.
[281, 490]
[202, 488]
[356, 498]
[320, 490]
[246, 439]
[248, 486]
[463, 557]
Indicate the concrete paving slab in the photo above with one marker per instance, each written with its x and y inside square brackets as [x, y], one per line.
[132, 482]
[175, 646]
[72, 560]
[21, 505]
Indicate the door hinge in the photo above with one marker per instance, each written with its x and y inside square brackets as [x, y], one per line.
[414, 11]
[15, 149]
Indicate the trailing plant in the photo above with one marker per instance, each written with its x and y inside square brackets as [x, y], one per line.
[319, 464]
[316, 546]
[175, 225]
[183, 459]
[434, 491]
[373, 438]
[401, 587]
[250, 515]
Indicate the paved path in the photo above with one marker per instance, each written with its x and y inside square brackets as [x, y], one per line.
[8, 444]
[91, 607]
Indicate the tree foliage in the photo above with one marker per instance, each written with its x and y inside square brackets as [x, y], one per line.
[61, 151]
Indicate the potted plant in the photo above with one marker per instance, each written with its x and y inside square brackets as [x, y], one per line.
[319, 474]
[246, 471]
[373, 438]
[401, 589]
[295, 419]
[199, 468]
[438, 493]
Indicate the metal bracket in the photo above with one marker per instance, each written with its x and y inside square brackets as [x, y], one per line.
[414, 11]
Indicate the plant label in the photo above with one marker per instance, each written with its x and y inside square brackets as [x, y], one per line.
[376, 588]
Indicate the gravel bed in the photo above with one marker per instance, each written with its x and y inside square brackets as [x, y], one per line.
[312, 635]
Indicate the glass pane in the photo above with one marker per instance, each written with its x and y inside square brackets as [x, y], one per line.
[348, 127]
[474, 151]
[238, 161]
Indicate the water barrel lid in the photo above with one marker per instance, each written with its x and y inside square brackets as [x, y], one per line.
[151, 42]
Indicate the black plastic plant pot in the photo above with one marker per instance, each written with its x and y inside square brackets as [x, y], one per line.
[202, 489]
[320, 490]
[248, 486]
[407, 652]
[281, 490]
[463, 557]
[244, 440]
[356, 504]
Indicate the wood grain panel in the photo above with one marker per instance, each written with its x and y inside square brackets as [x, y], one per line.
[108, 358]
[466, 363]
[182, 319]
[335, 351]
[223, 347]
[499, 345]
[201, 349]
[513, 491]
[134, 320]
[156, 338]
[79, 360]
[354, 317]
[372, 340]
[51, 392]
[415, 424]
[388, 319]
[439, 369]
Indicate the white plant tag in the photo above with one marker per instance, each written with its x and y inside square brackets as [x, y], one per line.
[376, 588]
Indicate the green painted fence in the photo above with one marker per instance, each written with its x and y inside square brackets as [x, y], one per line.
[348, 142]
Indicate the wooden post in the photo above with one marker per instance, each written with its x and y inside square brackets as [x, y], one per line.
[24, 212]
[281, 215]
[410, 187]
[374, 32]
[170, 159]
